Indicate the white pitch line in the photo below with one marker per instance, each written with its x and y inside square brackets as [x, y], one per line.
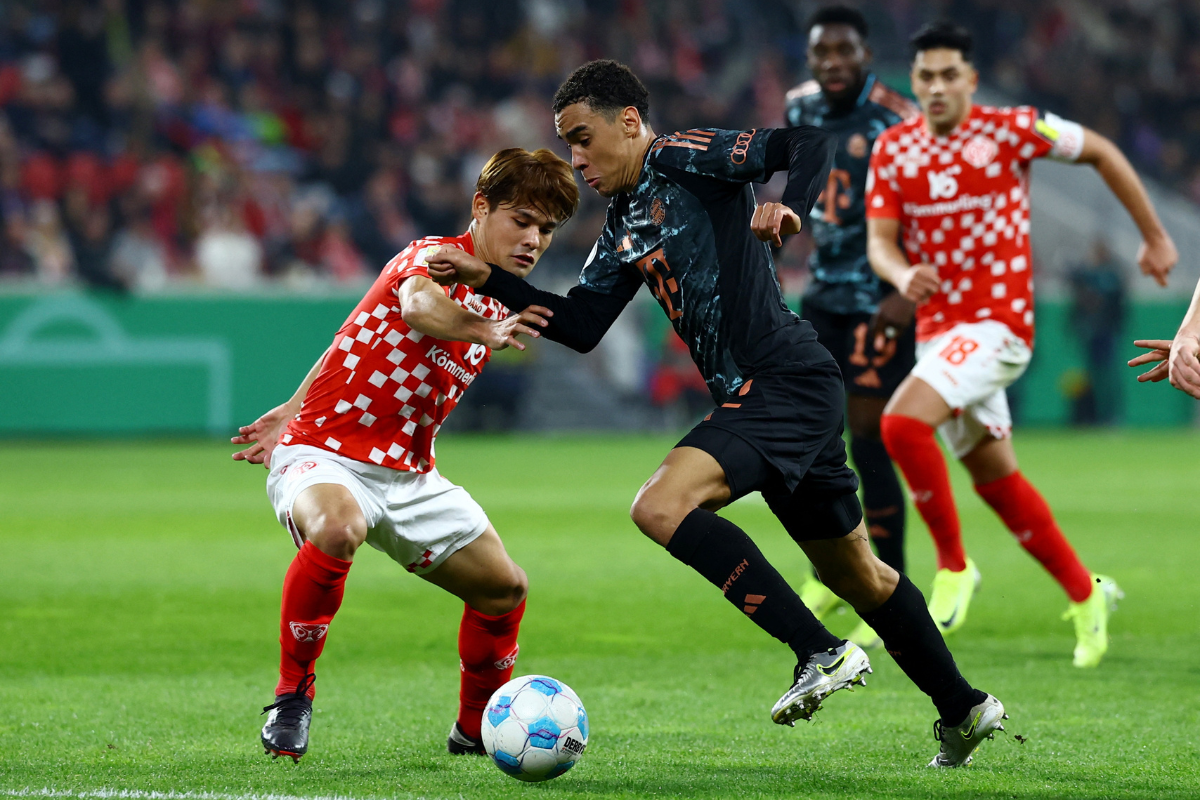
[138, 794]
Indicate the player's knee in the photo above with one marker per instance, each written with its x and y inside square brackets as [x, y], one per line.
[865, 588]
[655, 516]
[503, 593]
[334, 535]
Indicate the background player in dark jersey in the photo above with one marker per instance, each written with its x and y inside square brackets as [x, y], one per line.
[683, 221]
[848, 100]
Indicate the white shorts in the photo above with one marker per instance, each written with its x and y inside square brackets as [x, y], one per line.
[970, 366]
[417, 519]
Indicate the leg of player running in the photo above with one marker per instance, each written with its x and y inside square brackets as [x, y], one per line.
[675, 508]
[907, 427]
[883, 498]
[893, 606]
[998, 480]
[493, 589]
[332, 525]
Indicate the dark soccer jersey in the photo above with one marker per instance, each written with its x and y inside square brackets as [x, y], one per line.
[842, 279]
[684, 231]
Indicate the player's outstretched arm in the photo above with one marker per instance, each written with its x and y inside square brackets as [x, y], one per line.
[263, 434]
[1177, 359]
[578, 320]
[425, 308]
[1157, 254]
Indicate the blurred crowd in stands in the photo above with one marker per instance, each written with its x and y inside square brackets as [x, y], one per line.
[227, 143]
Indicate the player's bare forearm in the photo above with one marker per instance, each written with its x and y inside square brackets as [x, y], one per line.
[263, 434]
[306, 384]
[426, 309]
[887, 259]
[1157, 255]
[1191, 320]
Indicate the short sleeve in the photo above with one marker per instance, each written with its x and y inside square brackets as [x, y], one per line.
[1065, 136]
[1027, 140]
[603, 272]
[735, 156]
[883, 192]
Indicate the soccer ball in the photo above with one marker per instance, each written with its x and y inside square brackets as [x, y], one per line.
[535, 728]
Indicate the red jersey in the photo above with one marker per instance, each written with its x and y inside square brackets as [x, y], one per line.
[963, 205]
[385, 389]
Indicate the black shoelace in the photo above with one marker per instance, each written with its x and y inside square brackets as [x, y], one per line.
[937, 730]
[292, 706]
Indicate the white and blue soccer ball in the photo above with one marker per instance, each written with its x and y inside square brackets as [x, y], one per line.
[535, 728]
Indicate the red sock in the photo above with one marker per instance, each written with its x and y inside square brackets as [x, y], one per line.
[1026, 514]
[312, 594]
[912, 445]
[487, 649]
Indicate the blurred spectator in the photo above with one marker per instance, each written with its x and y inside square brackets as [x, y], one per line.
[227, 255]
[127, 115]
[1098, 319]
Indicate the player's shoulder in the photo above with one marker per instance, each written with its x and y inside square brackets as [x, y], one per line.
[809, 88]
[417, 250]
[900, 130]
[890, 100]
[1018, 116]
[699, 139]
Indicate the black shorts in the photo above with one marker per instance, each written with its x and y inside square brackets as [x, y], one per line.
[866, 372]
[782, 436]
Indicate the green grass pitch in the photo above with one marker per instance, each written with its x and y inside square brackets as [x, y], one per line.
[139, 591]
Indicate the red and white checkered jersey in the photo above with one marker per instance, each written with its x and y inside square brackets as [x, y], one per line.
[963, 205]
[385, 389]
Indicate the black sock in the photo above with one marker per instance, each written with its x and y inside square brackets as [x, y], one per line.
[729, 559]
[883, 499]
[913, 640]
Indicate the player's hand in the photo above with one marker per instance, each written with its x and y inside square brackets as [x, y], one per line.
[894, 315]
[1160, 351]
[772, 221]
[449, 265]
[1178, 360]
[1157, 257]
[263, 435]
[503, 333]
[918, 283]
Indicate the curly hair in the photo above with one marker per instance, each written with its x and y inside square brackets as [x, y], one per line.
[942, 34]
[606, 86]
[839, 15]
[541, 180]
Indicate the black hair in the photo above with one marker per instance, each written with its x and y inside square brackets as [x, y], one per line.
[606, 86]
[839, 15]
[942, 34]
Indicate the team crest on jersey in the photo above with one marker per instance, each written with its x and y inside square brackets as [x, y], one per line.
[856, 146]
[657, 212]
[980, 151]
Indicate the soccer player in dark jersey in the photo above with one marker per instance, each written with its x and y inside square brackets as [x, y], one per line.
[683, 221]
[846, 302]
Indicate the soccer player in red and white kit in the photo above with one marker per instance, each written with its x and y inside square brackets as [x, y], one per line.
[351, 455]
[954, 185]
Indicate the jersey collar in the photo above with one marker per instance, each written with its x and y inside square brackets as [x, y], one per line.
[829, 110]
[868, 85]
[974, 112]
[467, 241]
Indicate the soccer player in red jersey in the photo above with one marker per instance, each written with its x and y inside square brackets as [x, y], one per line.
[954, 184]
[351, 455]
